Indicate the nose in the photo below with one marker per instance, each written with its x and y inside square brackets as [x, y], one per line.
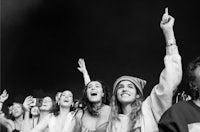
[93, 87]
[124, 89]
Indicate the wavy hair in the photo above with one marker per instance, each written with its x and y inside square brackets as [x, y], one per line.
[90, 105]
[192, 66]
[116, 109]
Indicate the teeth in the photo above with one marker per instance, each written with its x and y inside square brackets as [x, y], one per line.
[125, 94]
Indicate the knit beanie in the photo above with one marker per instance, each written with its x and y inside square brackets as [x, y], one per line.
[139, 83]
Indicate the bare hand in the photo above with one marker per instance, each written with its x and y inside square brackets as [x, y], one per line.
[57, 97]
[166, 25]
[4, 96]
[27, 103]
[82, 67]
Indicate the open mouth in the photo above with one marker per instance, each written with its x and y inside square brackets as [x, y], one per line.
[66, 101]
[93, 94]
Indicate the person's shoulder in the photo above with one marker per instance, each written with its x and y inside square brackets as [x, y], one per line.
[181, 104]
[79, 114]
[107, 107]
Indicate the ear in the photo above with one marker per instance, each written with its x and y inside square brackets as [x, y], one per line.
[137, 96]
[58, 102]
[102, 95]
[72, 104]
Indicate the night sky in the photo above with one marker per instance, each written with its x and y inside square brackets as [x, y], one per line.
[42, 40]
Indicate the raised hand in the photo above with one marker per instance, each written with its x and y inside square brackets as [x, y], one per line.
[166, 25]
[27, 103]
[4, 96]
[57, 97]
[82, 68]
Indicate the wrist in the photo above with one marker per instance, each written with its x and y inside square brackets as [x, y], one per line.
[170, 42]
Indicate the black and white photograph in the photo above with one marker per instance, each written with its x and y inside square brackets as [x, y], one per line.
[100, 66]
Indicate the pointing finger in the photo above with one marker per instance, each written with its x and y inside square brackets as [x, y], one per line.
[166, 11]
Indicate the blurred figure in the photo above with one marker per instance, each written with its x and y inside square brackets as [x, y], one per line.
[184, 116]
[129, 113]
[34, 115]
[16, 112]
[45, 110]
[60, 119]
[182, 97]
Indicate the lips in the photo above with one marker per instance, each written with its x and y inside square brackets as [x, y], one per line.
[66, 101]
[125, 94]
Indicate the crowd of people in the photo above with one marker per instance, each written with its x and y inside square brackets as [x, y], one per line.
[122, 110]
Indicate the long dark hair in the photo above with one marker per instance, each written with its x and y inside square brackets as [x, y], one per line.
[191, 77]
[89, 105]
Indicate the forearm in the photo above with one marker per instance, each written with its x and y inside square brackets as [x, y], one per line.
[86, 78]
[1, 105]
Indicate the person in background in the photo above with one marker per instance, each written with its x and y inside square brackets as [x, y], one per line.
[13, 124]
[46, 110]
[34, 115]
[129, 113]
[61, 120]
[184, 116]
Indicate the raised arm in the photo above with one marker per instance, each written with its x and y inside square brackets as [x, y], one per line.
[27, 125]
[3, 98]
[26, 104]
[83, 70]
[3, 120]
[170, 77]
[40, 127]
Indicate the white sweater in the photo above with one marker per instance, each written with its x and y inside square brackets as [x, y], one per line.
[160, 98]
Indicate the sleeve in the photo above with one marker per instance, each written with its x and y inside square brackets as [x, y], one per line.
[170, 78]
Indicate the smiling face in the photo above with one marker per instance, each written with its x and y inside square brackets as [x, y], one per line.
[66, 99]
[94, 92]
[126, 92]
[17, 110]
[47, 104]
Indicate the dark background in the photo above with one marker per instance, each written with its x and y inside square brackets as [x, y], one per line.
[42, 40]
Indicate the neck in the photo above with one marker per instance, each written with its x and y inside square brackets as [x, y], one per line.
[34, 117]
[19, 119]
[97, 105]
[64, 111]
[43, 114]
[126, 109]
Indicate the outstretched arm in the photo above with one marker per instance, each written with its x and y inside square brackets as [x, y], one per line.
[3, 98]
[170, 77]
[26, 104]
[3, 120]
[83, 70]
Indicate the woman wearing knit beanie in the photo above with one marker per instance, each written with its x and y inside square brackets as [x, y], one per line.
[129, 113]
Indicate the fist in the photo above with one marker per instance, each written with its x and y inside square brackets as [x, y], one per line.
[167, 21]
